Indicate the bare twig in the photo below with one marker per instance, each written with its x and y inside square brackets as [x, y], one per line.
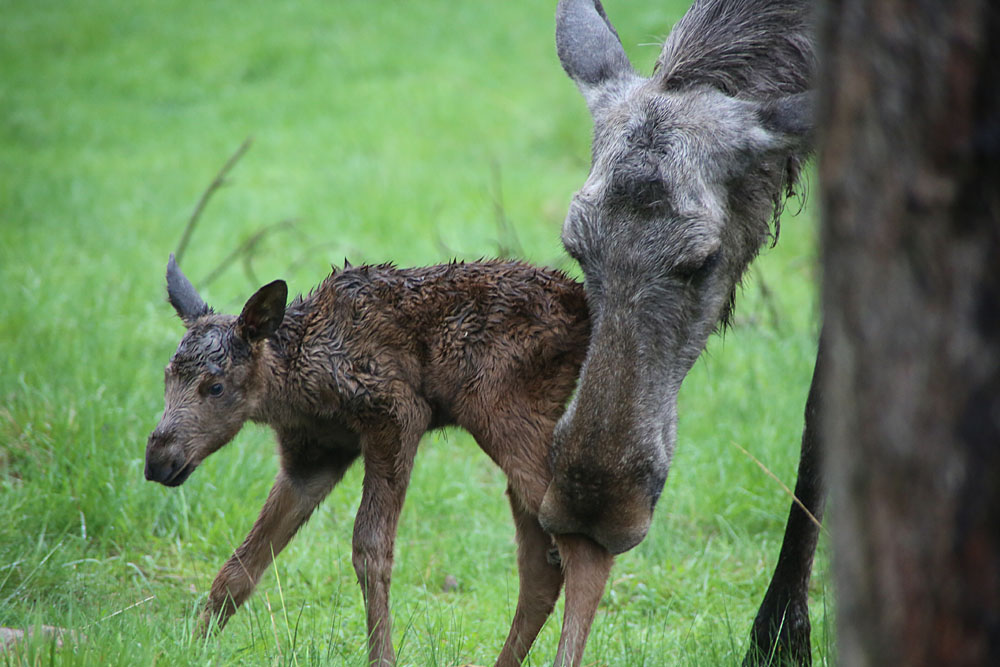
[443, 247]
[310, 253]
[217, 182]
[120, 611]
[795, 499]
[768, 296]
[508, 244]
[244, 250]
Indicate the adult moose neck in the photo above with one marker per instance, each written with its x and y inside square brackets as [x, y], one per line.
[689, 169]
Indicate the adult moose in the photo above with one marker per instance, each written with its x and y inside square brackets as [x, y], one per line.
[690, 169]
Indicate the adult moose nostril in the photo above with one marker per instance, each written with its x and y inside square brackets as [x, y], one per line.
[617, 523]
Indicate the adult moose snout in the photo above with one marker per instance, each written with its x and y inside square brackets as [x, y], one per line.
[609, 467]
[611, 504]
[165, 460]
[575, 504]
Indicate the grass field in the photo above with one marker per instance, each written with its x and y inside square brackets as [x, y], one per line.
[412, 134]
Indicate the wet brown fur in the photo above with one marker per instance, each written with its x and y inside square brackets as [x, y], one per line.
[364, 366]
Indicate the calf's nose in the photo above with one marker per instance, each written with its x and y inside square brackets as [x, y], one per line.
[160, 465]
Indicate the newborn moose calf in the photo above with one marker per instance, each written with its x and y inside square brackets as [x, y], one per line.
[364, 366]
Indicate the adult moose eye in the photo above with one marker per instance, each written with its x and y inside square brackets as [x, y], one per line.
[215, 389]
[692, 271]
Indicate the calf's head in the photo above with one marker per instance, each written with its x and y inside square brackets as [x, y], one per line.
[215, 380]
[684, 182]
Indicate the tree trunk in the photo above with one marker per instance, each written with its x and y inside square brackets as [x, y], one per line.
[909, 153]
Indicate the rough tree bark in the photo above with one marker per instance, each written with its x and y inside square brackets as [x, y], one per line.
[909, 153]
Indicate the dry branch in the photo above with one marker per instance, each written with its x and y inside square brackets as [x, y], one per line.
[217, 182]
[245, 251]
[508, 244]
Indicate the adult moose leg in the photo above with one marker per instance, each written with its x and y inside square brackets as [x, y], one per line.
[289, 504]
[781, 630]
[388, 454]
[540, 582]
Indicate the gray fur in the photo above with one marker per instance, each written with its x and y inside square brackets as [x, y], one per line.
[689, 169]
[589, 48]
[182, 294]
[747, 48]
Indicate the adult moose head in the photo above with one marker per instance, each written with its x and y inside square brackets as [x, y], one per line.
[690, 169]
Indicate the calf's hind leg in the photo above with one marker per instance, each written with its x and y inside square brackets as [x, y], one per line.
[540, 582]
[586, 566]
[519, 444]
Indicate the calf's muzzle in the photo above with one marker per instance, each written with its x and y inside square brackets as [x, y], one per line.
[166, 462]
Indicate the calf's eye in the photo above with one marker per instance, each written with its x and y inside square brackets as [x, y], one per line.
[215, 390]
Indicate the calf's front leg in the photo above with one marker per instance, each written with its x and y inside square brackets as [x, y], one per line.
[388, 456]
[291, 501]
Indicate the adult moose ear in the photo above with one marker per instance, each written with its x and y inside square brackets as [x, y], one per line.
[183, 296]
[590, 50]
[263, 312]
[789, 121]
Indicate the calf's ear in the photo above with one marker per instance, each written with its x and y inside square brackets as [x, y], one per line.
[263, 312]
[182, 294]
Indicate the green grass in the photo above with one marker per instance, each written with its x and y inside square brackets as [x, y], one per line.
[383, 136]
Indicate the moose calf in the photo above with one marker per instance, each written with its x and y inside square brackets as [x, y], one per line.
[364, 366]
